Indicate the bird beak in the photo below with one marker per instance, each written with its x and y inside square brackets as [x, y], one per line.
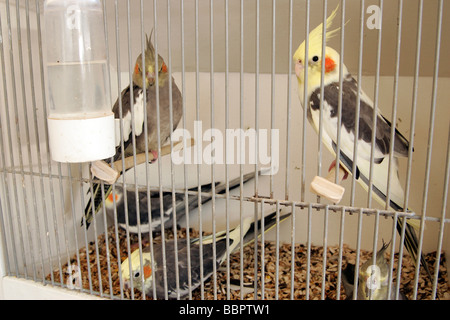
[299, 68]
[126, 285]
[150, 76]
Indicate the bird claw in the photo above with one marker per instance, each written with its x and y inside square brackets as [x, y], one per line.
[155, 156]
[332, 165]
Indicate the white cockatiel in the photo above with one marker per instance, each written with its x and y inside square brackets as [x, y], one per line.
[330, 128]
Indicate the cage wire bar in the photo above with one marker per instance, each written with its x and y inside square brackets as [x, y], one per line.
[44, 244]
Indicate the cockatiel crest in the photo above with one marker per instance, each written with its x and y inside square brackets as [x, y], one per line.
[150, 67]
[315, 52]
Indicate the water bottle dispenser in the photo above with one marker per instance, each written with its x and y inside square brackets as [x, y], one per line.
[80, 120]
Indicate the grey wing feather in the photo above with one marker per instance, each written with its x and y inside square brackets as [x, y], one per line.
[183, 270]
[349, 98]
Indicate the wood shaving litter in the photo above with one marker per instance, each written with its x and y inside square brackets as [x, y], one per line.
[108, 261]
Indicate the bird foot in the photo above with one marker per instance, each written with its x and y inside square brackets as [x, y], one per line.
[333, 164]
[155, 156]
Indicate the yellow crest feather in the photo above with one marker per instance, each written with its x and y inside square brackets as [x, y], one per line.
[315, 36]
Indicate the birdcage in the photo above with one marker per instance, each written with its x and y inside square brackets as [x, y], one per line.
[233, 63]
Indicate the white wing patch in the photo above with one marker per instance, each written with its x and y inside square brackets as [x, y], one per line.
[138, 120]
[139, 113]
[347, 138]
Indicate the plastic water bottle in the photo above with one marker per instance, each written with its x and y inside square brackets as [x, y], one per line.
[81, 124]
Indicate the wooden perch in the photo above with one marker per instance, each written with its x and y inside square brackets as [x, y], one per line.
[105, 172]
[325, 187]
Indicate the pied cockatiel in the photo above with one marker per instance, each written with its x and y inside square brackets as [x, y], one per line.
[132, 99]
[152, 274]
[347, 129]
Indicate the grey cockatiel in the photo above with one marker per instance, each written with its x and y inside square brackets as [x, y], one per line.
[373, 279]
[132, 99]
[168, 215]
[155, 277]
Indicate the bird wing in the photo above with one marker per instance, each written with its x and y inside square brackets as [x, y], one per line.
[183, 267]
[382, 138]
[366, 126]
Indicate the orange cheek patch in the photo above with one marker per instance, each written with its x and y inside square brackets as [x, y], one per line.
[330, 65]
[136, 69]
[147, 272]
[110, 197]
[164, 68]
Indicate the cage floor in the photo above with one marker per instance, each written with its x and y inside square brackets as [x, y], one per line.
[102, 283]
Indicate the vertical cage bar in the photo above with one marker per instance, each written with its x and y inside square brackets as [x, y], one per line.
[108, 258]
[293, 216]
[430, 143]
[289, 104]
[414, 105]
[186, 196]
[108, 60]
[358, 101]
[3, 241]
[308, 252]
[395, 101]
[375, 242]
[272, 96]
[277, 251]
[133, 137]
[227, 117]
[197, 108]
[375, 112]
[256, 178]
[172, 172]
[72, 203]
[403, 221]
[305, 104]
[322, 84]
[263, 277]
[94, 224]
[241, 142]
[391, 263]
[213, 180]
[85, 236]
[158, 125]
[324, 252]
[341, 80]
[358, 251]
[122, 146]
[341, 244]
[442, 222]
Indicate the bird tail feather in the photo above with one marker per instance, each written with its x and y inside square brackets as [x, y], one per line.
[249, 227]
[93, 207]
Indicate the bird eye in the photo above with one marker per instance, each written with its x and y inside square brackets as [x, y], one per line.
[137, 274]
[315, 58]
